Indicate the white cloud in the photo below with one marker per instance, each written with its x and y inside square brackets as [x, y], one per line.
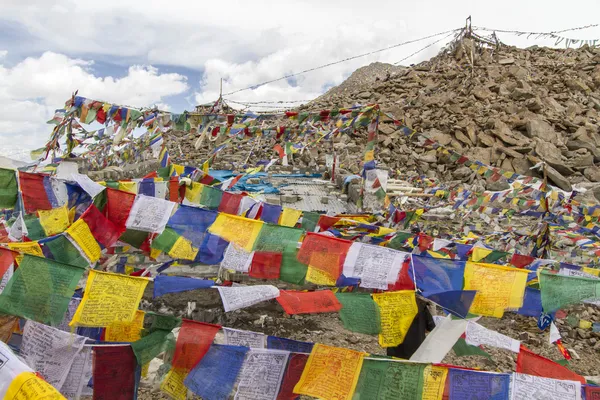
[31, 90]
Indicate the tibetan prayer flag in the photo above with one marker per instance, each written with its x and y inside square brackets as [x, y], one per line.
[40, 289]
[434, 382]
[230, 203]
[434, 275]
[289, 217]
[241, 231]
[592, 392]
[7, 258]
[64, 251]
[118, 206]
[294, 346]
[463, 384]
[33, 192]
[173, 384]
[382, 379]
[558, 291]
[324, 253]
[480, 253]
[151, 345]
[457, 302]
[359, 313]
[109, 298]
[310, 220]
[8, 188]
[103, 229]
[55, 220]
[33, 228]
[294, 302]
[275, 238]
[234, 298]
[376, 266]
[261, 374]
[114, 373]
[397, 311]
[270, 213]
[498, 288]
[534, 364]
[149, 214]
[293, 372]
[330, 373]
[82, 235]
[194, 340]
[532, 303]
[193, 193]
[215, 375]
[265, 265]
[126, 331]
[177, 246]
[28, 385]
[174, 284]
[211, 197]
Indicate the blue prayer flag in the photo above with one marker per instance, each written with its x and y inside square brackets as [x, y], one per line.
[164, 284]
[294, 346]
[457, 302]
[468, 385]
[434, 275]
[270, 213]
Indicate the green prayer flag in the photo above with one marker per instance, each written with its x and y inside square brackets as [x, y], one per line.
[382, 379]
[359, 313]
[35, 230]
[310, 220]
[164, 172]
[100, 200]
[166, 240]
[559, 291]
[398, 241]
[65, 252]
[283, 239]
[40, 289]
[211, 197]
[134, 237]
[494, 256]
[8, 188]
[151, 345]
[163, 322]
[461, 348]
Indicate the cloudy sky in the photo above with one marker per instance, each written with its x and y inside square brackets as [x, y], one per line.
[174, 53]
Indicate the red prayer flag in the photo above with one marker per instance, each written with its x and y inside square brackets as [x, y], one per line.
[114, 373]
[292, 375]
[34, 193]
[324, 253]
[534, 364]
[194, 340]
[118, 205]
[174, 189]
[521, 261]
[7, 257]
[294, 302]
[103, 229]
[592, 392]
[326, 222]
[279, 150]
[230, 202]
[405, 280]
[265, 265]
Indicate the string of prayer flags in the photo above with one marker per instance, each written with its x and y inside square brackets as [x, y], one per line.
[284, 240]
[234, 298]
[463, 383]
[115, 373]
[149, 214]
[295, 302]
[215, 375]
[109, 298]
[33, 192]
[324, 253]
[50, 351]
[558, 291]
[175, 245]
[397, 311]
[173, 384]
[28, 385]
[330, 373]
[294, 346]
[82, 235]
[126, 331]
[261, 374]
[236, 337]
[8, 188]
[241, 231]
[376, 266]
[359, 313]
[193, 342]
[533, 364]
[526, 387]
[40, 290]
[382, 379]
[164, 284]
[498, 288]
[55, 220]
[293, 372]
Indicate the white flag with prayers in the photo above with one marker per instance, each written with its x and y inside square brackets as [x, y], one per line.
[477, 335]
[149, 214]
[261, 374]
[235, 298]
[237, 258]
[525, 387]
[236, 337]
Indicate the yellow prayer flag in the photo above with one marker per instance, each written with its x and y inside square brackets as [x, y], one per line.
[183, 249]
[173, 384]
[318, 277]
[126, 186]
[397, 311]
[583, 324]
[29, 386]
[434, 382]
[178, 169]
[109, 298]
[32, 248]
[239, 230]
[592, 271]
[55, 220]
[194, 192]
[479, 253]
[154, 253]
[289, 217]
[369, 155]
[498, 288]
[330, 373]
[437, 255]
[205, 167]
[82, 235]
[126, 331]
